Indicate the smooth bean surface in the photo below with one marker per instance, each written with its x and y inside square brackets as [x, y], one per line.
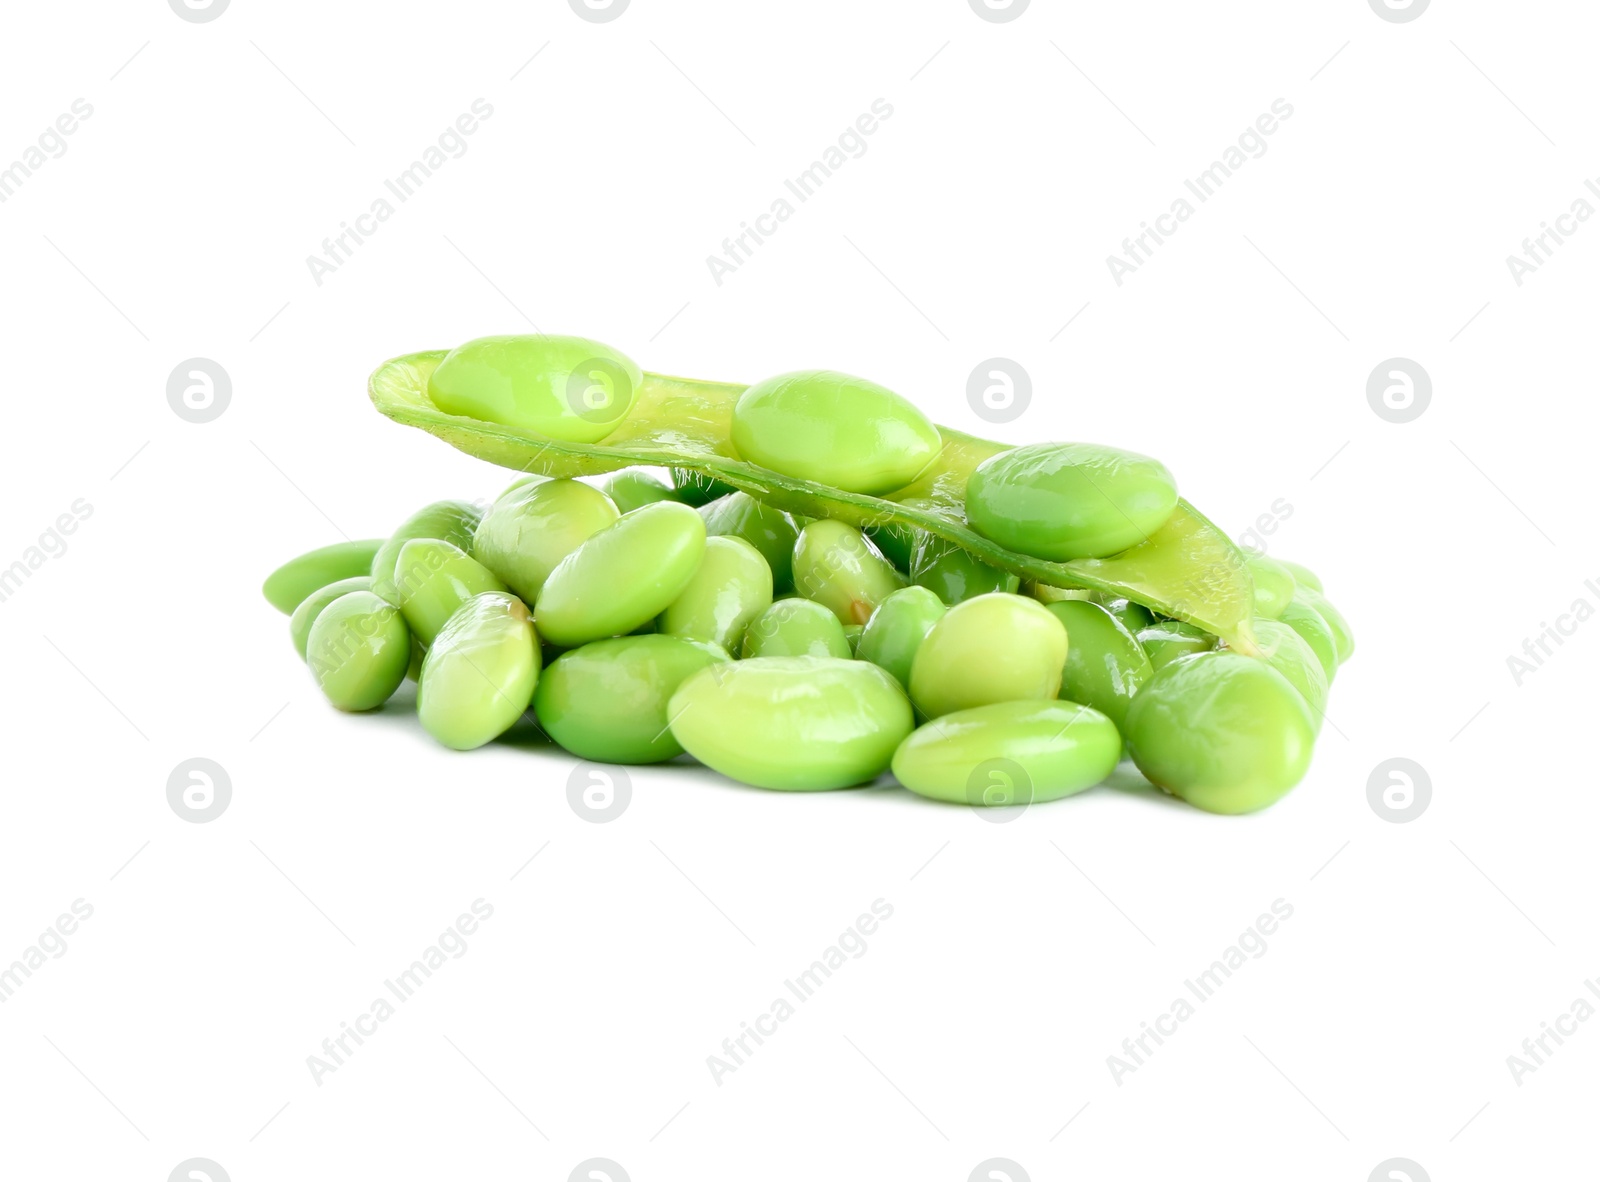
[795, 628]
[623, 576]
[1304, 576]
[1105, 665]
[1314, 630]
[608, 700]
[1344, 641]
[531, 528]
[358, 650]
[834, 429]
[1274, 585]
[632, 489]
[731, 587]
[432, 579]
[1286, 651]
[897, 629]
[769, 530]
[1009, 753]
[480, 672]
[1061, 501]
[1221, 730]
[287, 587]
[1169, 640]
[566, 388]
[792, 723]
[836, 566]
[995, 648]
[953, 573]
[311, 607]
[450, 521]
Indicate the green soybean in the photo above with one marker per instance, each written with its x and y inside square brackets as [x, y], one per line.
[287, 587]
[1046, 594]
[769, 530]
[834, 429]
[480, 672]
[1009, 753]
[897, 629]
[1224, 731]
[1105, 665]
[852, 637]
[621, 577]
[995, 648]
[1344, 641]
[836, 566]
[1314, 630]
[796, 628]
[953, 573]
[530, 529]
[450, 521]
[566, 388]
[1135, 617]
[1063, 501]
[358, 650]
[311, 607]
[1169, 640]
[1273, 583]
[792, 723]
[633, 489]
[731, 587]
[607, 700]
[1286, 651]
[1303, 576]
[433, 578]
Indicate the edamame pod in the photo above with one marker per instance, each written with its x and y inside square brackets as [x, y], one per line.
[1273, 583]
[567, 388]
[450, 521]
[530, 529]
[995, 648]
[836, 566]
[287, 587]
[1009, 753]
[1105, 664]
[607, 701]
[311, 607]
[432, 578]
[1047, 594]
[696, 488]
[621, 577]
[1224, 731]
[897, 629]
[834, 429]
[358, 650]
[792, 723]
[1070, 500]
[632, 489]
[731, 587]
[769, 530]
[796, 628]
[480, 672]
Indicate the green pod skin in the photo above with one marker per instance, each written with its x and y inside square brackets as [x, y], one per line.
[1046, 594]
[1009, 753]
[607, 701]
[480, 672]
[1168, 640]
[769, 530]
[796, 628]
[287, 587]
[836, 566]
[1344, 641]
[623, 576]
[897, 629]
[953, 574]
[1223, 731]
[1135, 617]
[1314, 630]
[311, 607]
[696, 488]
[1273, 583]
[632, 489]
[1284, 649]
[1105, 664]
[995, 648]
[797, 724]
[1061, 501]
[358, 650]
[834, 429]
[731, 587]
[1303, 576]
[432, 578]
[566, 388]
[529, 530]
[449, 521]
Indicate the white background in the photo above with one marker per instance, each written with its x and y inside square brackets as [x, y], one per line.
[978, 1023]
